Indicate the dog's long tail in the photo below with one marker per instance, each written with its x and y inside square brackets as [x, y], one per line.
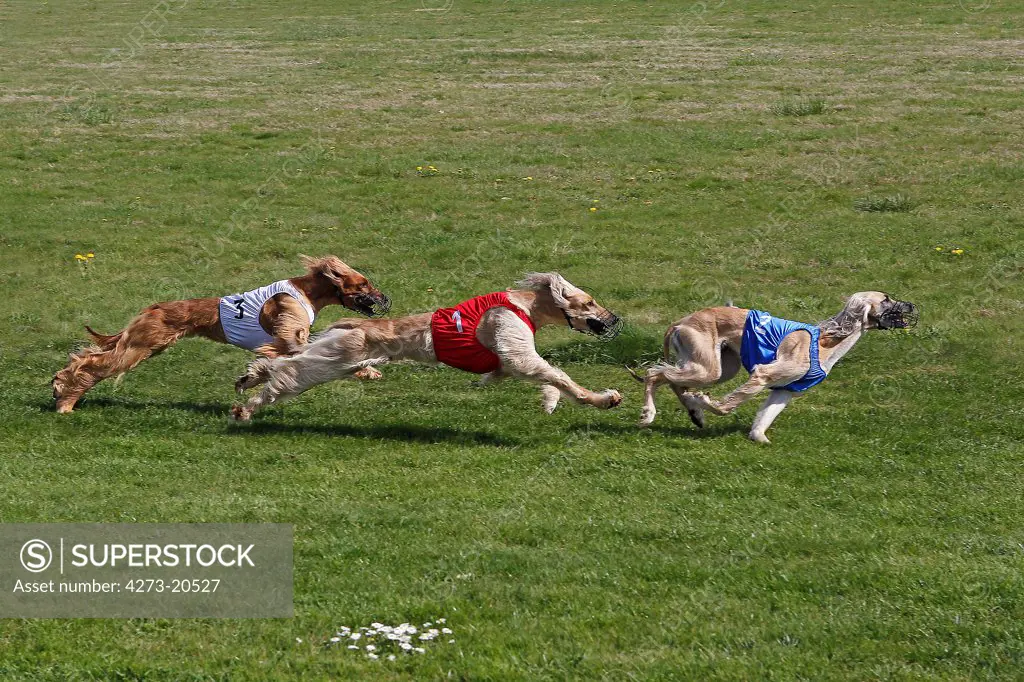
[104, 341]
[634, 374]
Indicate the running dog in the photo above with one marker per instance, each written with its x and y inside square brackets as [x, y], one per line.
[710, 345]
[491, 335]
[273, 320]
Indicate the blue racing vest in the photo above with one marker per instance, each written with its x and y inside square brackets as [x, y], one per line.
[762, 336]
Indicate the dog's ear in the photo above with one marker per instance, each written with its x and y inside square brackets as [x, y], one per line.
[330, 267]
[560, 290]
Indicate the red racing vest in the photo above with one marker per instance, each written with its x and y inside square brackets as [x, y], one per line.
[454, 333]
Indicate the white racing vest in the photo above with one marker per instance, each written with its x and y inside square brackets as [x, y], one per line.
[240, 314]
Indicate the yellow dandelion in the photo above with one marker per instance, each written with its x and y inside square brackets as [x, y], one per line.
[958, 251]
[593, 208]
[90, 255]
[419, 167]
[528, 177]
[79, 256]
[596, 200]
[938, 248]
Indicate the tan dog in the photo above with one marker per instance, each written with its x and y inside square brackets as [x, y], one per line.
[709, 344]
[350, 345]
[282, 321]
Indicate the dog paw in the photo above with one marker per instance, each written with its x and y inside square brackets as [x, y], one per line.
[610, 398]
[759, 438]
[703, 400]
[697, 417]
[240, 413]
[368, 374]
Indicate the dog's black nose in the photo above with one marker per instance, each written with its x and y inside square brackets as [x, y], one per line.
[596, 326]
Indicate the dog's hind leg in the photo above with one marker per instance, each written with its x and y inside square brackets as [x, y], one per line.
[692, 407]
[152, 331]
[491, 378]
[90, 367]
[681, 379]
[701, 360]
[729, 362]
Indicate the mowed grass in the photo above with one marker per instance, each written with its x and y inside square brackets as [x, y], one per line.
[879, 536]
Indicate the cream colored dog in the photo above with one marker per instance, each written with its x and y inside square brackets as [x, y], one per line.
[708, 344]
[351, 345]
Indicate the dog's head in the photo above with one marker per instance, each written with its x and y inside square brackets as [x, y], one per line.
[581, 311]
[352, 288]
[879, 310]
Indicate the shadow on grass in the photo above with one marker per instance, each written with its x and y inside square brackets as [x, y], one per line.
[402, 432]
[87, 403]
[688, 430]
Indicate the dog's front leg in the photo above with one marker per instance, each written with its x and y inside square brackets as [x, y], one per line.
[533, 367]
[770, 409]
[550, 395]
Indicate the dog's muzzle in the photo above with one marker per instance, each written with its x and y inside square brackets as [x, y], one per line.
[606, 327]
[900, 315]
[371, 305]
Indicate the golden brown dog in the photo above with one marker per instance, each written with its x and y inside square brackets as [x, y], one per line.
[709, 345]
[283, 321]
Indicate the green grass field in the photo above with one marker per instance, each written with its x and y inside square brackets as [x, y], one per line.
[778, 154]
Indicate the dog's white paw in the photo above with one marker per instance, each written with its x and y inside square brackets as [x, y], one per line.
[549, 398]
[759, 438]
[610, 398]
[647, 417]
